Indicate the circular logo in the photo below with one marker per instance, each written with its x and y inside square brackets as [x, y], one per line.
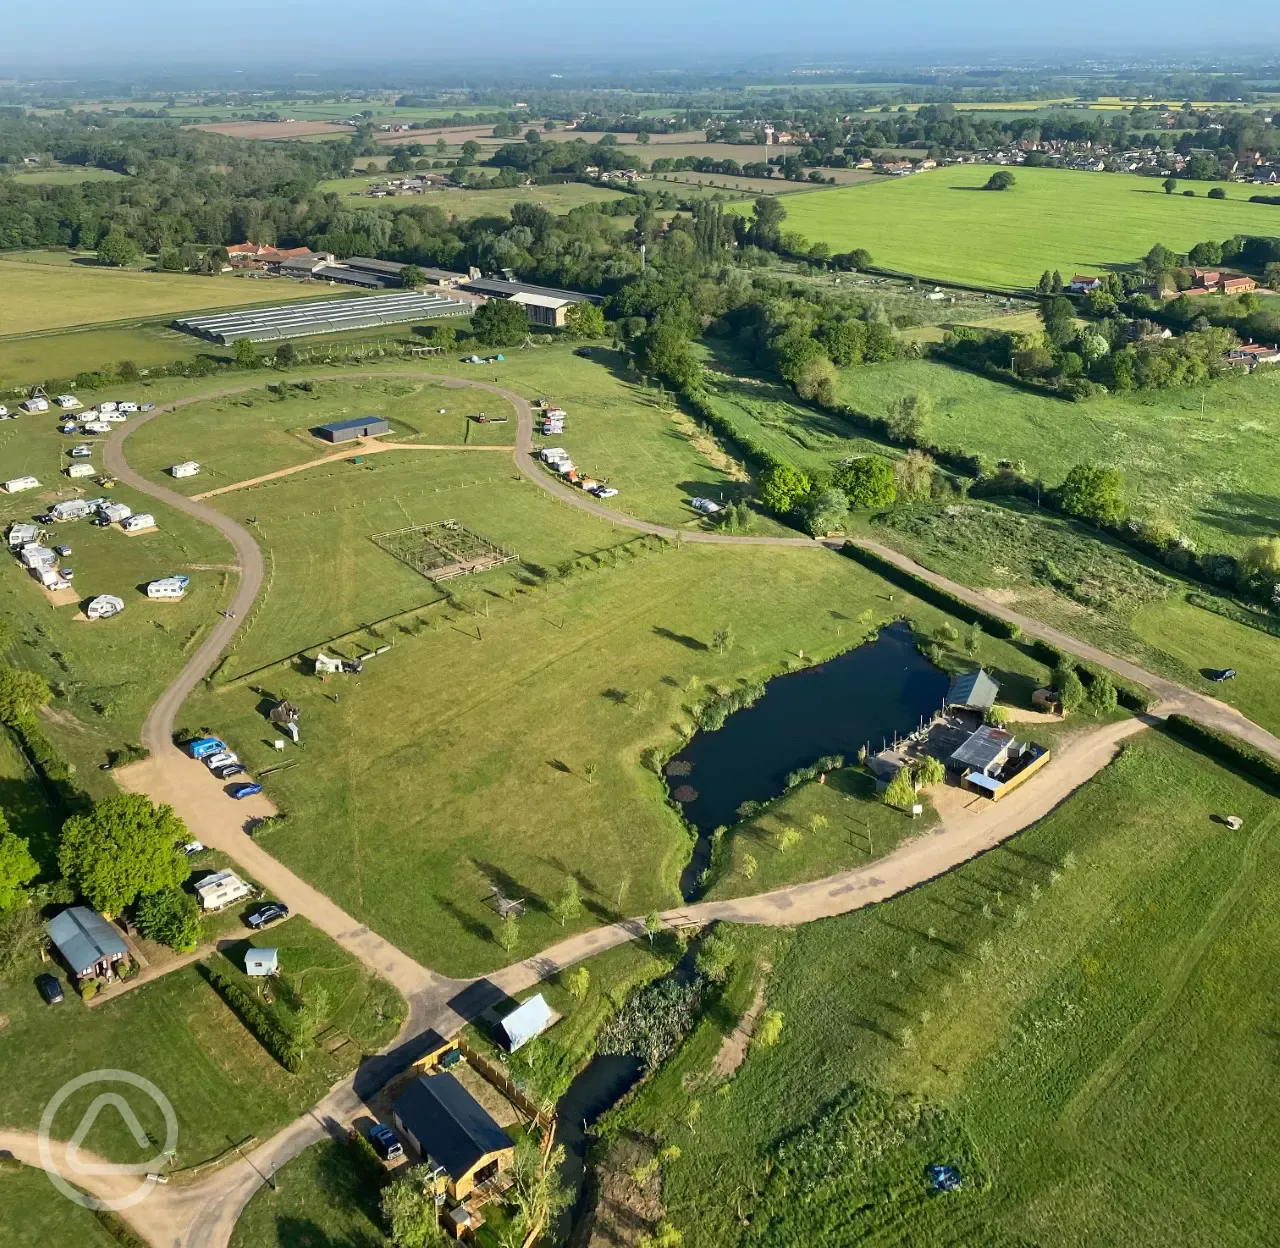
[76, 1164]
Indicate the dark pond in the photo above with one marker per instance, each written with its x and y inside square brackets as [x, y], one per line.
[860, 697]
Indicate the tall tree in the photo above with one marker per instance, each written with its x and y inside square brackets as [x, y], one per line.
[123, 847]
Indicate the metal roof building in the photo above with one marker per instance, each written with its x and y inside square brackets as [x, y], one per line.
[527, 1021]
[987, 748]
[358, 427]
[500, 288]
[87, 942]
[325, 316]
[975, 691]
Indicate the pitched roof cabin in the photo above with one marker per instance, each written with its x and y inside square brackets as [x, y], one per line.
[972, 691]
[445, 1122]
[89, 945]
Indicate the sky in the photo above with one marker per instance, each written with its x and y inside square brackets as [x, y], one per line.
[418, 33]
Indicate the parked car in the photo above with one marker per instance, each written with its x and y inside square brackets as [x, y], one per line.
[100, 522]
[44, 519]
[81, 452]
[245, 790]
[605, 491]
[1226, 673]
[266, 913]
[63, 551]
[203, 747]
[50, 989]
[67, 574]
[147, 407]
[221, 759]
[193, 847]
[229, 771]
[384, 1142]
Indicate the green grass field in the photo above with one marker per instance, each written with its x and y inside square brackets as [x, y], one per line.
[1082, 1013]
[320, 1198]
[248, 435]
[105, 674]
[29, 358]
[67, 177]
[223, 1084]
[35, 1215]
[1205, 458]
[502, 745]
[939, 224]
[45, 296]
[466, 204]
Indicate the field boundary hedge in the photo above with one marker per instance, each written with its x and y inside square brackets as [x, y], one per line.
[1234, 611]
[1227, 748]
[278, 1042]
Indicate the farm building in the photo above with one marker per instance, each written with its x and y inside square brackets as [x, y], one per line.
[220, 890]
[972, 691]
[446, 1123]
[17, 484]
[991, 762]
[70, 509]
[347, 430]
[188, 468]
[135, 524]
[170, 587]
[544, 309]
[103, 607]
[116, 513]
[327, 316]
[80, 470]
[86, 942]
[526, 1022]
[22, 534]
[259, 962]
[35, 405]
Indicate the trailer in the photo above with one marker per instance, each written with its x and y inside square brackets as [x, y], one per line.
[17, 484]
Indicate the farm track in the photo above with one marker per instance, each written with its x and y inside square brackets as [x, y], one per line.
[203, 1215]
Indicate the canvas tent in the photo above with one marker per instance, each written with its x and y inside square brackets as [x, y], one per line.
[527, 1021]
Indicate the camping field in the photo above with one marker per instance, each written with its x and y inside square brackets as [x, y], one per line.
[1077, 1022]
[466, 204]
[941, 224]
[44, 296]
[501, 737]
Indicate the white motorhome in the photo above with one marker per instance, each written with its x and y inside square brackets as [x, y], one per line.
[17, 484]
[135, 524]
[104, 606]
[80, 470]
[188, 468]
[220, 890]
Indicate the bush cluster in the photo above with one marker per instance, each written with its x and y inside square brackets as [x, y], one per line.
[274, 1038]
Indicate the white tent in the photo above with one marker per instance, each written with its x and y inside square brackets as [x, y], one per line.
[527, 1021]
[259, 962]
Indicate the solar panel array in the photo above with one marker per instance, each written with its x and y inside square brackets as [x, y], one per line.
[325, 317]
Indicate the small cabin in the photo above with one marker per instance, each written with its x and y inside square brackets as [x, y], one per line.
[86, 942]
[259, 963]
[447, 1125]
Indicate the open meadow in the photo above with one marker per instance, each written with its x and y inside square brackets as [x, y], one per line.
[462, 203]
[1205, 458]
[71, 176]
[500, 740]
[44, 296]
[1076, 1022]
[941, 224]
[26, 359]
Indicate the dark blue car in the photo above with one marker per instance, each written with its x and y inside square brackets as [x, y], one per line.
[244, 790]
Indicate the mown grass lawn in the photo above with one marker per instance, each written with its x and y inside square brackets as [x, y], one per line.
[35, 1214]
[43, 296]
[223, 1085]
[26, 359]
[320, 1198]
[459, 202]
[941, 224]
[504, 748]
[1083, 1011]
[1206, 458]
[247, 435]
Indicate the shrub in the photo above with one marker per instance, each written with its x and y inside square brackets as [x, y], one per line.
[170, 917]
[900, 791]
[266, 1029]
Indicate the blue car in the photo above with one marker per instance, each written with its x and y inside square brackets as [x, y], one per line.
[385, 1143]
[244, 790]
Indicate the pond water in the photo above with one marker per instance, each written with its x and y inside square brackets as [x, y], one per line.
[861, 697]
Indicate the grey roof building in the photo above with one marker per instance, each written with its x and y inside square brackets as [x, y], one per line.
[501, 288]
[973, 691]
[445, 1122]
[985, 751]
[87, 943]
[347, 430]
